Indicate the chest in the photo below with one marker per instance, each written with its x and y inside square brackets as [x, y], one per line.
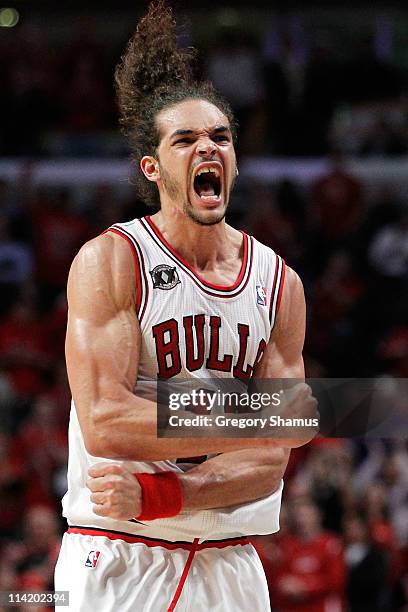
[188, 328]
[195, 326]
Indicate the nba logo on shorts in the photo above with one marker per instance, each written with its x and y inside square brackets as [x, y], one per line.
[92, 559]
[260, 295]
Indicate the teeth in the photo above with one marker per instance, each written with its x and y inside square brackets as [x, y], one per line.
[205, 170]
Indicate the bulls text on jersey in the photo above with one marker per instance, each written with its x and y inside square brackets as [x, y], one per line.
[168, 336]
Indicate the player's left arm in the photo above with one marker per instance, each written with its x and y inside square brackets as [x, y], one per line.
[234, 477]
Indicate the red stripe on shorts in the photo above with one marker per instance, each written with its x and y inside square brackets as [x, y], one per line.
[192, 547]
[151, 542]
[183, 576]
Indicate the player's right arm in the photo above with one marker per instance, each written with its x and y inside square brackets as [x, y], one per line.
[102, 352]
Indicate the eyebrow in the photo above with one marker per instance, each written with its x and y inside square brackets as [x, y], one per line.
[188, 132]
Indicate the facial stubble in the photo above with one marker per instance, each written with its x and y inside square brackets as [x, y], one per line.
[175, 192]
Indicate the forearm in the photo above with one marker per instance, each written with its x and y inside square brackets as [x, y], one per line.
[234, 478]
[126, 428]
[226, 480]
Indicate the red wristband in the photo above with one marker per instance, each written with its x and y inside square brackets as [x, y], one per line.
[162, 495]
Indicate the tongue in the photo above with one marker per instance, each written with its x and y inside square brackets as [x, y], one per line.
[206, 189]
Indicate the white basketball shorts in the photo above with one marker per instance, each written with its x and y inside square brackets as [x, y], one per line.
[114, 572]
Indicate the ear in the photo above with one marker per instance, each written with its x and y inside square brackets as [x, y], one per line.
[150, 168]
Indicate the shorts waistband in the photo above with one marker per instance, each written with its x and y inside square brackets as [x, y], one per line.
[147, 541]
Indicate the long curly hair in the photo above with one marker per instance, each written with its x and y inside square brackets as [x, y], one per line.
[154, 74]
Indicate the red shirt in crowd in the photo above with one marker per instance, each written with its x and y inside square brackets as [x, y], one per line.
[58, 237]
[337, 203]
[305, 576]
[24, 355]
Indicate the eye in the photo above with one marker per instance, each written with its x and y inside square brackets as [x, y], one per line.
[221, 138]
[184, 140]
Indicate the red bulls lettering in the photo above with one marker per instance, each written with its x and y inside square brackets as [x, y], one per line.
[167, 338]
[213, 362]
[239, 372]
[194, 363]
[167, 350]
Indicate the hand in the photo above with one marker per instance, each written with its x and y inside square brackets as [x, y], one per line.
[299, 403]
[115, 492]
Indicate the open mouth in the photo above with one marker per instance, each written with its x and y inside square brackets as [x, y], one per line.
[207, 183]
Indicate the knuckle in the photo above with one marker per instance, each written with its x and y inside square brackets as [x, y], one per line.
[116, 468]
[303, 388]
[111, 483]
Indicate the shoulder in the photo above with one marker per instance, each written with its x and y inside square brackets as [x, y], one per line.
[293, 283]
[291, 313]
[104, 265]
[293, 296]
[107, 250]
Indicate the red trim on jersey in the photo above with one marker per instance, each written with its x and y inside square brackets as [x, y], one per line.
[142, 265]
[139, 267]
[185, 263]
[273, 288]
[183, 576]
[282, 282]
[222, 293]
[276, 294]
[152, 542]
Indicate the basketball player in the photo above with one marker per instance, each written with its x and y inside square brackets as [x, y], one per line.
[177, 294]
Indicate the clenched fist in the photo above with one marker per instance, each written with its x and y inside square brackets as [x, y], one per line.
[115, 492]
[298, 417]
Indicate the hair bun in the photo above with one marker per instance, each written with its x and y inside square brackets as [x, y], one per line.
[152, 61]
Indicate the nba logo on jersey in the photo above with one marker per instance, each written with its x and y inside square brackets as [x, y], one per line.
[260, 295]
[92, 559]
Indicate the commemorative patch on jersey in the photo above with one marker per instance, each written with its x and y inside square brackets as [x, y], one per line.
[261, 295]
[164, 277]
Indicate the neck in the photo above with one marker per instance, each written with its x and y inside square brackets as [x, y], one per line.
[202, 246]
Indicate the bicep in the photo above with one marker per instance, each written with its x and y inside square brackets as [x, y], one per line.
[283, 354]
[103, 336]
[101, 357]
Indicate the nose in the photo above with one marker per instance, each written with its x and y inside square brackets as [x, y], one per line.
[206, 147]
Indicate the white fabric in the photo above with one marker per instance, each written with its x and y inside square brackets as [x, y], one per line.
[239, 305]
[138, 578]
[133, 576]
[258, 517]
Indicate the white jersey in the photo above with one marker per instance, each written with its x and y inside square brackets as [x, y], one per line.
[191, 329]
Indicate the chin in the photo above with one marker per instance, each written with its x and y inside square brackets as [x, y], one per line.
[208, 217]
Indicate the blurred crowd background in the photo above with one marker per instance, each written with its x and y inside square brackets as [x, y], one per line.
[320, 94]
